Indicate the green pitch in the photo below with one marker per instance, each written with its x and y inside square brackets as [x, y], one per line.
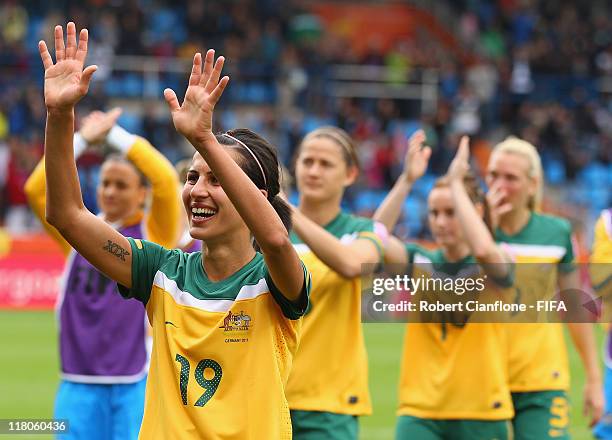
[29, 373]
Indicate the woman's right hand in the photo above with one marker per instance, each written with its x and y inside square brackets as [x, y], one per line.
[498, 204]
[417, 157]
[65, 81]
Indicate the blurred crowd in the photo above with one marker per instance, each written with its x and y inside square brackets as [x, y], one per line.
[539, 69]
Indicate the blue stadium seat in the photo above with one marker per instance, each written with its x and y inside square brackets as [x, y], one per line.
[594, 175]
[131, 122]
[293, 198]
[554, 171]
[423, 186]
[312, 122]
[414, 209]
[132, 85]
[165, 23]
[599, 197]
[404, 126]
[113, 86]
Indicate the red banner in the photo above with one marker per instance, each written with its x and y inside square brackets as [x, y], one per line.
[362, 23]
[30, 273]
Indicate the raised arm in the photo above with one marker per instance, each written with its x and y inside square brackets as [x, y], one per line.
[415, 165]
[493, 260]
[163, 219]
[93, 130]
[162, 222]
[65, 84]
[193, 119]
[35, 190]
[348, 259]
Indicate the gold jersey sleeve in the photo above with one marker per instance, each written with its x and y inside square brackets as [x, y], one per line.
[600, 267]
[164, 216]
[36, 192]
[163, 219]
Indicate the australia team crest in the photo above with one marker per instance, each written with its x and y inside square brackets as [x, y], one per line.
[236, 322]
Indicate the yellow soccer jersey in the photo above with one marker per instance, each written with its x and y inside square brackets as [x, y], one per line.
[537, 352]
[330, 369]
[601, 257]
[222, 351]
[453, 370]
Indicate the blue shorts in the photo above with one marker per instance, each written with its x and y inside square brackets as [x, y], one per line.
[603, 430]
[100, 411]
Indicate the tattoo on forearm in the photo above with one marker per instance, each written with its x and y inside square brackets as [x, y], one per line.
[116, 250]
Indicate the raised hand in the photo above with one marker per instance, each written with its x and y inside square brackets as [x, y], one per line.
[461, 163]
[417, 157]
[193, 119]
[65, 81]
[97, 124]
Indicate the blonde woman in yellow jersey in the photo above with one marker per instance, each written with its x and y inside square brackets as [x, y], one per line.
[538, 365]
[225, 322]
[453, 380]
[601, 278]
[328, 385]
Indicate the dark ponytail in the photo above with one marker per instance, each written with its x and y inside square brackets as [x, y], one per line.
[283, 210]
[265, 161]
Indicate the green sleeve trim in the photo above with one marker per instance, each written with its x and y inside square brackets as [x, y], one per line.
[292, 309]
[604, 283]
[137, 291]
[411, 250]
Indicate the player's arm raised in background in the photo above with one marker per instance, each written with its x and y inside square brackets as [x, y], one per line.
[93, 130]
[65, 84]
[482, 245]
[388, 213]
[163, 219]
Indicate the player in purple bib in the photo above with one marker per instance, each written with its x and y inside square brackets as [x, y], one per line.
[103, 338]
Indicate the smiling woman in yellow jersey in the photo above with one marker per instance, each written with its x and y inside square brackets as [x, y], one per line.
[328, 385]
[225, 320]
[453, 380]
[538, 365]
